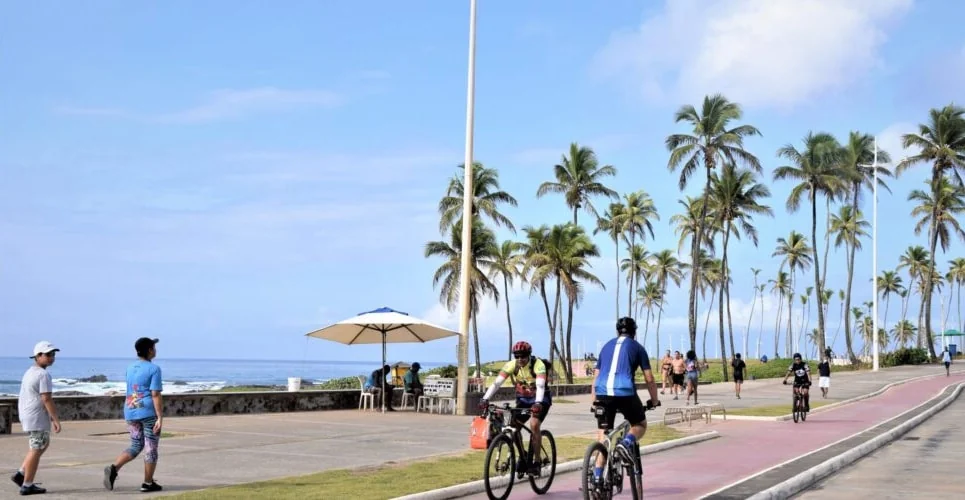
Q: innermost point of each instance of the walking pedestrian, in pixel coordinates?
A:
(679, 368)
(824, 374)
(665, 366)
(693, 374)
(38, 415)
(143, 411)
(739, 365)
(947, 359)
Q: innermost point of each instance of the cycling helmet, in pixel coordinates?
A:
(626, 326)
(797, 355)
(522, 349)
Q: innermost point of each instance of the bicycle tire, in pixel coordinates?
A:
(490, 482)
(547, 437)
(633, 483)
(588, 465)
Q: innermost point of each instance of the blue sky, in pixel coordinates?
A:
(230, 175)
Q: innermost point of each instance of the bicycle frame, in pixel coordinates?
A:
(514, 428)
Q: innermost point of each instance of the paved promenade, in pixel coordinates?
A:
(745, 448)
(932, 454)
(224, 450)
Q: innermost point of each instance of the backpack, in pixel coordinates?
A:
(550, 371)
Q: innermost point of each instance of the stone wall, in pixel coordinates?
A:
(227, 403)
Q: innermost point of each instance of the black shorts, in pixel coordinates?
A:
(739, 378)
(525, 418)
(629, 406)
(805, 384)
(678, 379)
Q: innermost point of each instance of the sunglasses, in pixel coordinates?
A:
(521, 356)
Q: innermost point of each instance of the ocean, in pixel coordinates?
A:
(182, 375)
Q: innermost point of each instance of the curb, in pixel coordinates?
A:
(471, 488)
(834, 405)
(811, 476)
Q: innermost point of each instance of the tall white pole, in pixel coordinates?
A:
(874, 260)
(462, 379)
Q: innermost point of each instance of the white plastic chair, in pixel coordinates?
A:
(407, 399)
(366, 399)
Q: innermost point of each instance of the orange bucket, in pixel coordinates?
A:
(479, 433)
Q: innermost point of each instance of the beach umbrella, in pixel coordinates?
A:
(383, 325)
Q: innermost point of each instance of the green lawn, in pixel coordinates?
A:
(394, 479)
(772, 410)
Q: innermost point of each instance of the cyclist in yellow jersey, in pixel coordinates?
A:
(528, 375)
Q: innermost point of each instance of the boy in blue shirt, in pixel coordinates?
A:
(143, 411)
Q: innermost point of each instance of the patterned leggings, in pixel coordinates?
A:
(143, 438)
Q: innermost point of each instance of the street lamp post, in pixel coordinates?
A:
(874, 260)
(462, 377)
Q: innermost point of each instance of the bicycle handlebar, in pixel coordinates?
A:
(647, 407)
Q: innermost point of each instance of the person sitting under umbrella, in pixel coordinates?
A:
(411, 380)
(376, 382)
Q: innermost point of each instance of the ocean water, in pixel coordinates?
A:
(182, 375)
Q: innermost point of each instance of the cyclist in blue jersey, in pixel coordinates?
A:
(614, 388)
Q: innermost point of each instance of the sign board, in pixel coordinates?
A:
(440, 387)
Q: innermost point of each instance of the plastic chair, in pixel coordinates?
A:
(366, 399)
(407, 399)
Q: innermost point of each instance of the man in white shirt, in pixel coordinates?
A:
(37, 413)
(947, 359)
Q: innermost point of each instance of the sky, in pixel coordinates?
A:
(230, 175)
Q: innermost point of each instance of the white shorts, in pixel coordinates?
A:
(824, 382)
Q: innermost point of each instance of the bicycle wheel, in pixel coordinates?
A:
(592, 489)
(794, 410)
(547, 464)
(500, 468)
(633, 483)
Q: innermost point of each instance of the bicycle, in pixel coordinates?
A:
(616, 459)
(506, 431)
(798, 409)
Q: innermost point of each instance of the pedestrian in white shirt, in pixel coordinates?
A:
(37, 415)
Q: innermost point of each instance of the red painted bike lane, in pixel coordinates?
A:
(746, 448)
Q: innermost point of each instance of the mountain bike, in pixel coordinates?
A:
(503, 469)
(798, 409)
(617, 459)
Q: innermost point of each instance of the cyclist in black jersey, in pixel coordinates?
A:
(802, 379)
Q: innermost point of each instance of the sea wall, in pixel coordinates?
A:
(228, 403)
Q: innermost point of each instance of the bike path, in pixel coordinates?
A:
(746, 448)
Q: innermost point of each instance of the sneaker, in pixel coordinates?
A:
(33, 489)
(110, 474)
(17, 478)
(153, 486)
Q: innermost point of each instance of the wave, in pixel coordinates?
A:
(109, 387)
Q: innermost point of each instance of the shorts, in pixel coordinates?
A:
(824, 382)
(678, 379)
(804, 385)
(948, 363)
(525, 418)
(692, 377)
(629, 406)
(738, 378)
(38, 440)
(143, 438)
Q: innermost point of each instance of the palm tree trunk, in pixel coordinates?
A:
(646, 327)
(777, 323)
(616, 241)
(720, 314)
(475, 341)
(910, 291)
(549, 319)
(817, 273)
(750, 319)
(790, 311)
(726, 267)
(961, 326)
(713, 292)
(569, 345)
(694, 255)
(630, 273)
(929, 282)
(509, 321)
(760, 331)
(557, 318)
(884, 321)
(827, 244)
(847, 292)
(657, 333)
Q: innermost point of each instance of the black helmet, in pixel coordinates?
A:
(797, 355)
(626, 326)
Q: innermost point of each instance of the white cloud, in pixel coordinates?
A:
(491, 319)
(889, 140)
(757, 52)
(547, 156)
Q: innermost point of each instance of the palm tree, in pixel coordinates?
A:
(781, 285)
(709, 275)
(941, 143)
(956, 275)
(796, 255)
(915, 259)
(819, 171)
(570, 249)
(712, 142)
(805, 316)
(579, 179)
(664, 267)
(613, 223)
(507, 262)
(939, 211)
(735, 199)
(639, 214)
(686, 223)
(750, 317)
(889, 283)
(849, 227)
(903, 332)
(649, 297)
(636, 265)
(447, 276)
(537, 269)
(487, 197)
(842, 319)
(760, 330)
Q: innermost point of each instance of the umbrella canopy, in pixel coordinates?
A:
(952, 333)
(382, 326)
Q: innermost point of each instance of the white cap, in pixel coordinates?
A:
(44, 347)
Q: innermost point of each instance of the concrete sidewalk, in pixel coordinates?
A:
(745, 448)
(223, 450)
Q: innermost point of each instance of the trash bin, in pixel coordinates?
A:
(294, 384)
(953, 349)
(472, 400)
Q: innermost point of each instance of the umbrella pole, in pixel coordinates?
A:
(384, 375)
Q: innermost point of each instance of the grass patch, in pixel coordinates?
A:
(392, 480)
(563, 401)
(772, 410)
